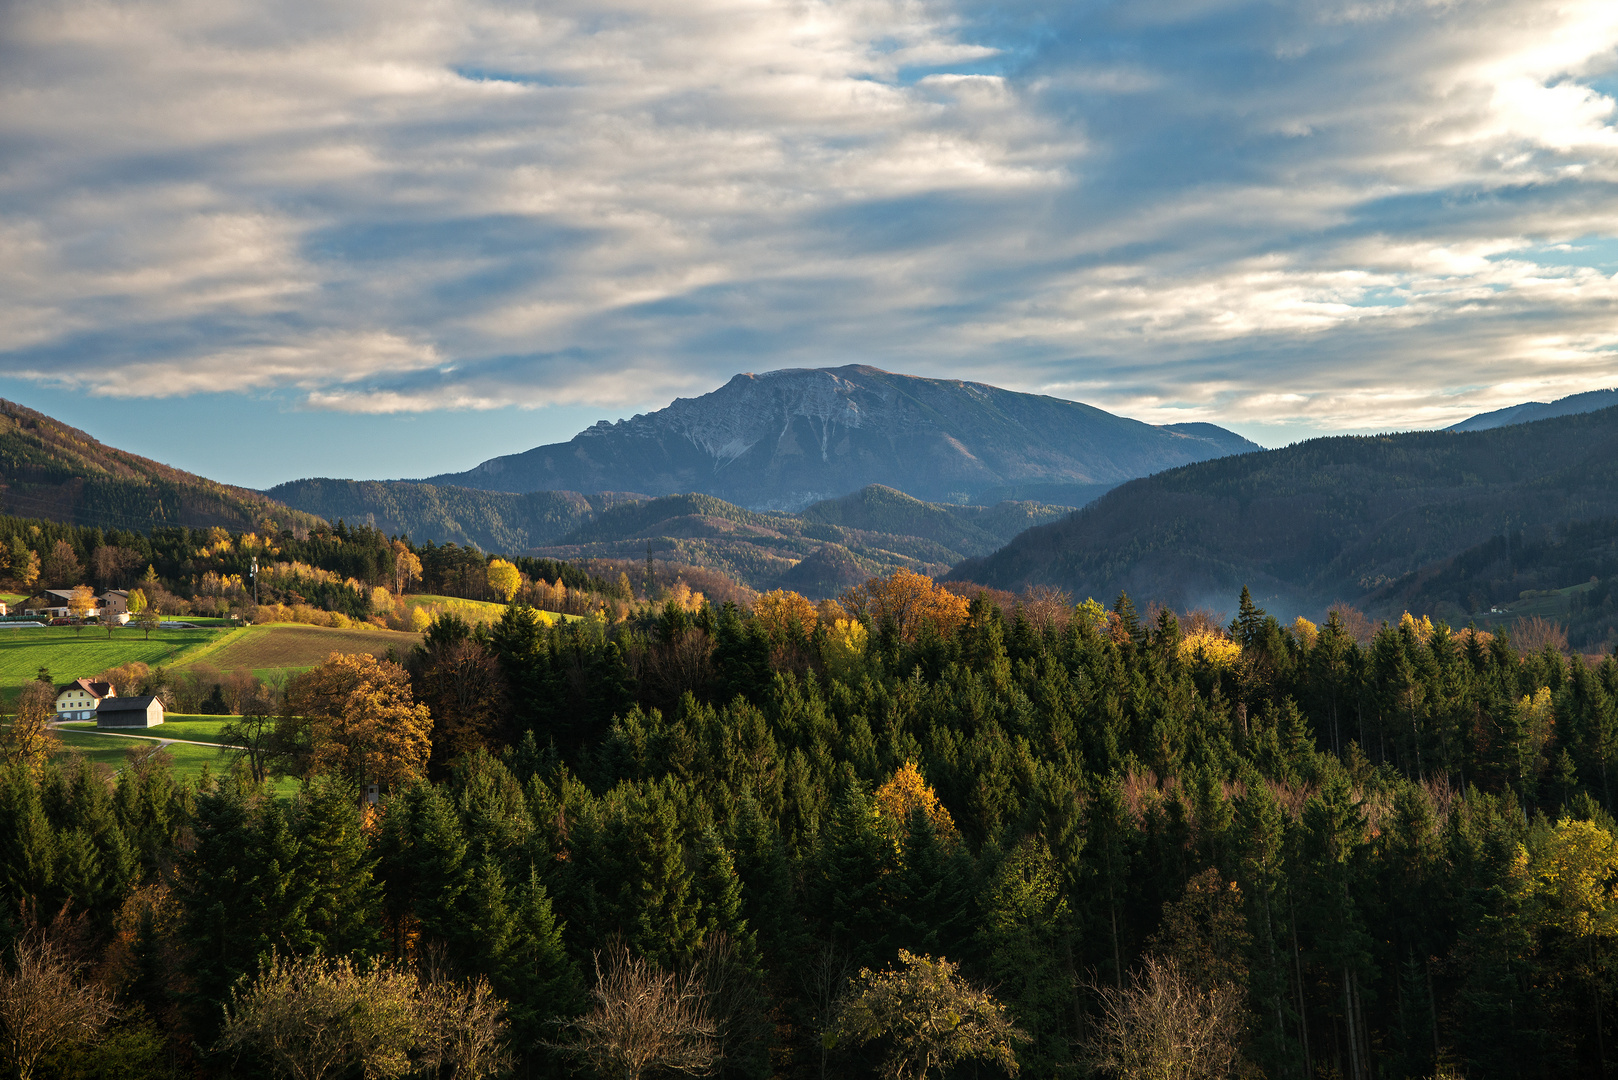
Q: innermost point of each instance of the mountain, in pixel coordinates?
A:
(49, 470)
(820, 552)
(783, 440)
(1530, 411)
(1327, 520)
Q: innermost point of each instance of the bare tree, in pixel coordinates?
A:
(43, 1007)
(825, 981)
(461, 1025)
(643, 1018)
(1161, 1025)
(317, 1016)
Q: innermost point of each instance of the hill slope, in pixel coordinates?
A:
(820, 552)
(50, 470)
(441, 513)
(1529, 411)
(785, 439)
(1322, 521)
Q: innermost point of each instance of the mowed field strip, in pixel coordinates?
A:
(283, 646)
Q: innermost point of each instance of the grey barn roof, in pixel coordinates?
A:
(125, 704)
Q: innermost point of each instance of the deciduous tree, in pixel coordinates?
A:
(1161, 1027)
(43, 1006)
(504, 580)
(29, 740)
(315, 1017)
(363, 722)
(928, 1018)
(909, 600)
(644, 1019)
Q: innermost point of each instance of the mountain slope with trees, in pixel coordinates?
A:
(1322, 521)
(785, 439)
(50, 470)
(820, 552)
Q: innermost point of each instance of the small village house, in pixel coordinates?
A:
(82, 698)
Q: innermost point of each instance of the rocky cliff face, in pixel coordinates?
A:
(785, 439)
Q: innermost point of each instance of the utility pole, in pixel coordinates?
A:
(255, 581)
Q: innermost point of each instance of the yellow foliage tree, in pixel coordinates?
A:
(504, 580)
(81, 601)
(364, 723)
(906, 792)
(406, 567)
(28, 740)
(776, 611)
(1305, 631)
(845, 647)
(910, 600)
(1422, 627)
(1209, 647)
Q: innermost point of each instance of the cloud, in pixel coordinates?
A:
(1325, 214)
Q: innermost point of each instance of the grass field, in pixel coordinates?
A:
(187, 762)
(70, 655)
(175, 726)
(293, 646)
(108, 750)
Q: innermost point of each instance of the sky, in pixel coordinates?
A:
(266, 239)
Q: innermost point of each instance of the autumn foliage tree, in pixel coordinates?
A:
(28, 740)
(504, 580)
(906, 793)
(928, 1018)
(909, 600)
(779, 610)
(362, 720)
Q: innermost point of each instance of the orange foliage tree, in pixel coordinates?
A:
(776, 611)
(363, 721)
(910, 599)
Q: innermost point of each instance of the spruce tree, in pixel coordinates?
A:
(338, 870)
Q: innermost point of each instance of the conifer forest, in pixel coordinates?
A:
(913, 833)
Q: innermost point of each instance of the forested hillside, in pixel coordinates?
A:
(820, 552)
(496, 521)
(1296, 854)
(1322, 521)
(1566, 574)
(50, 470)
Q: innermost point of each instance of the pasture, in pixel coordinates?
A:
(72, 652)
(189, 764)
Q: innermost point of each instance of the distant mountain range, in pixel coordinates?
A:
(786, 439)
(1328, 520)
(49, 470)
(819, 552)
(1530, 411)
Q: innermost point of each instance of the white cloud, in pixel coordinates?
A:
(1335, 215)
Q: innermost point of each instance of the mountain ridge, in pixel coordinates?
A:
(1530, 411)
(1328, 520)
(51, 470)
(785, 439)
